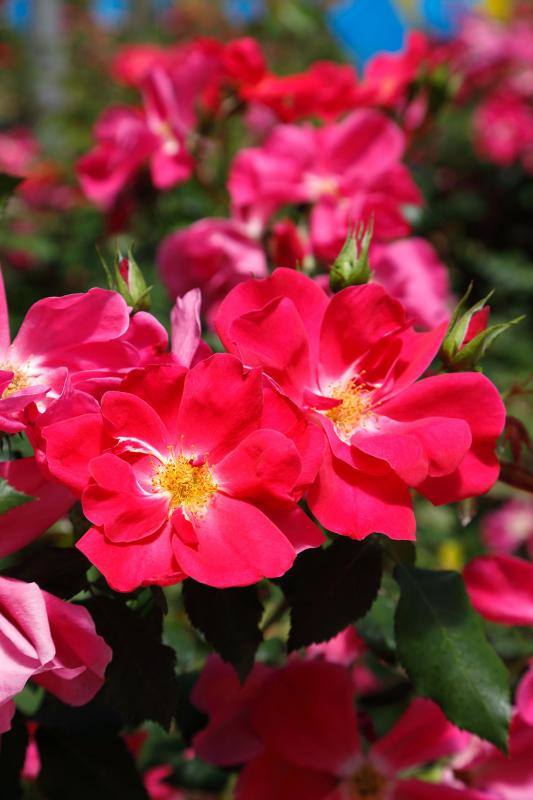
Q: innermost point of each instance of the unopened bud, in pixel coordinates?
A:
(469, 336)
(352, 267)
(127, 279)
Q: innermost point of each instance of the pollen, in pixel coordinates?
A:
(20, 379)
(190, 486)
(367, 784)
(353, 410)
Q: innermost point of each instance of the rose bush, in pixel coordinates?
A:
(265, 529)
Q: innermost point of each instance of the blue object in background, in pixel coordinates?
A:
(110, 12)
(366, 27)
(443, 16)
(17, 13)
(242, 11)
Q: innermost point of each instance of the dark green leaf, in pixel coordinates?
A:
(228, 619)
(12, 755)
(60, 571)
(85, 767)
(377, 627)
(442, 645)
(140, 680)
(329, 588)
(90, 719)
(10, 497)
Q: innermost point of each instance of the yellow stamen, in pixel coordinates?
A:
(20, 379)
(367, 784)
(354, 408)
(190, 486)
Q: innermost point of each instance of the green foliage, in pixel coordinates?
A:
(11, 497)
(327, 589)
(140, 681)
(60, 571)
(442, 645)
(228, 619)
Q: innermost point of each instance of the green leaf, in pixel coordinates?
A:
(442, 645)
(11, 497)
(140, 680)
(377, 627)
(327, 589)
(58, 570)
(228, 619)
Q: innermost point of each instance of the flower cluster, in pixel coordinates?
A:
(298, 734)
(226, 516)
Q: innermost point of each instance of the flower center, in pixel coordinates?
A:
(20, 379)
(352, 411)
(189, 485)
(367, 784)
(322, 185)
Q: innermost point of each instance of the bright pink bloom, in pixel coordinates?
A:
(243, 62)
(348, 649)
(349, 172)
(190, 473)
(501, 588)
(213, 255)
(81, 337)
(524, 695)
(133, 62)
(411, 271)
(350, 362)
(496, 776)
(324, 91)
(503, 129)
(388, 75)
(18, 151)
(509, 527)
(156, 786)
(296, 728)
(127, 138)
(123, 145)
(49, 641)
(345, 648)
(24, 523)
(32, 761)
(229, 738)
(45, 189)
(186, 329)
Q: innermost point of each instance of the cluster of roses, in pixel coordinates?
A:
(299, 733)
(41, 191)
(192, 464)
(497, 66)
(349, 169)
